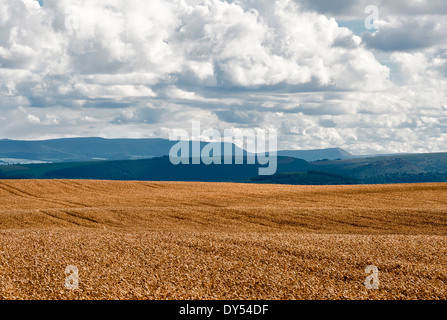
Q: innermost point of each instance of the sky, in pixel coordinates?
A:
(311, 69)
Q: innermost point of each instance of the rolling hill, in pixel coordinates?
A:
(146, 159)
(155, 169)
(390, 169)
(429, 167)
(313, 155)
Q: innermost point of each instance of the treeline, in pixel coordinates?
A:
(305, 178)
(324, 178)
(406, 178)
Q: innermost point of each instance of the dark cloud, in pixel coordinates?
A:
(40, 102)
(327, 123)
(345, 42)
(354, 9)
(240, 117)
(325, 109)
(330, 7)
(407, 35)
(422, 7)
(106, 104)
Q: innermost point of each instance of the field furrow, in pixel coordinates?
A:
(174, 240)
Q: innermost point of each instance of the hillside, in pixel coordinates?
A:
(384, 169)
(313, 155)
(155, 169)
(430, 167)
(86, 149)
(91, 149)
(146, 159)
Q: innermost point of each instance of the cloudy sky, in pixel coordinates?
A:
(308, 68)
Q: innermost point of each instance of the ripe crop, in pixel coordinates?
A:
(175, 240)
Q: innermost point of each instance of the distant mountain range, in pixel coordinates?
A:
(84, 149)
(96, 158)
(91, 149)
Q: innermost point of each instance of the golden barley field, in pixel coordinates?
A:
(175, 240)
